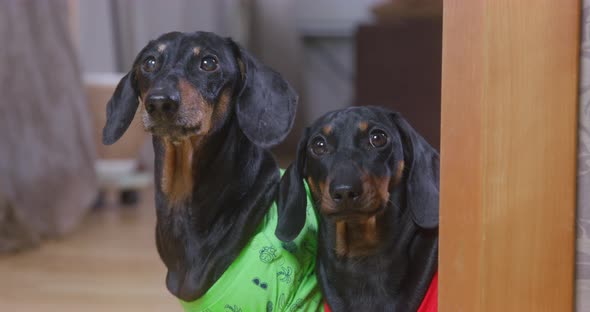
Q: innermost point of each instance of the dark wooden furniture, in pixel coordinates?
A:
(399, 66)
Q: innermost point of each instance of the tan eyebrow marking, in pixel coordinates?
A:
(327, 129)
(398, 175)
(161, 48)
(196, 50)
(363, 125)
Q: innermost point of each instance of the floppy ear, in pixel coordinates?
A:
(292, 197)
(120, 110)
(422, 186)
(266, 104)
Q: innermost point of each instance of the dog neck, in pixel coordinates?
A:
(393, 274)
(356, 238)
(177, 177)
(211, 194)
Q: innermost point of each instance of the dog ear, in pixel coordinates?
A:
(266, 104)
(292, 197)
(120, 110)
(422, 186)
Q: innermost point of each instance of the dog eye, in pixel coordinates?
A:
(319, 146)
(377, 138)
(150, 64)
(208, 63)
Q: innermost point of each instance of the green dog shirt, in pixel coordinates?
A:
(268, 275)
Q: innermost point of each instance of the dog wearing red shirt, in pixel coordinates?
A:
(374, 182)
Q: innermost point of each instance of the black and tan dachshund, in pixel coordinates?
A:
(213, 111)
(374, 182)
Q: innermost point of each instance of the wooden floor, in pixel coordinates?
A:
(109, 264)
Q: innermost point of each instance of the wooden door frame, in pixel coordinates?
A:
(508, 155)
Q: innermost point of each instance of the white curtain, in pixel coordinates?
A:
(47, 151)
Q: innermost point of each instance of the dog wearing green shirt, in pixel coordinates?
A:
(213, 111)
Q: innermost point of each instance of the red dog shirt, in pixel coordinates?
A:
(429, 303)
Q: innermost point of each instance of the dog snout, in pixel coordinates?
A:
(346, 192)
(163, 105)
(345, 186)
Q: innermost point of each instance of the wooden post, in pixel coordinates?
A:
(508, 155)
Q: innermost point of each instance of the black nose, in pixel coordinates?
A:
(165, 104)
(345, 193)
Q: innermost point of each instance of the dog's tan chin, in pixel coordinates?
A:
(357, 237)
(194, 139)
(176, 134)
(177, 139)
(375, 206)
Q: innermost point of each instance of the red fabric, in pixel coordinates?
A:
(429, 303)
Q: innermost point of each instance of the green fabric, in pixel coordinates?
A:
(268, 275)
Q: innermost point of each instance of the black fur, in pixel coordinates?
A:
(264, 89)
(120, 110)
(235, 177)
(396, 274)
(292, 199)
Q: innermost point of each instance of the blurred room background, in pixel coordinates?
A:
(76, 217)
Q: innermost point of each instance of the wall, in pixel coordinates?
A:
(583, 217)
(112, 32)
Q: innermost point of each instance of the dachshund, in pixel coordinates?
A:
(374, 182)
(214, 111)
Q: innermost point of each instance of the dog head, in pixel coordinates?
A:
(189, 84)
(353, 161)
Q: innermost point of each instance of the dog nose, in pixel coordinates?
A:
(343, 193)
(165, 104)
